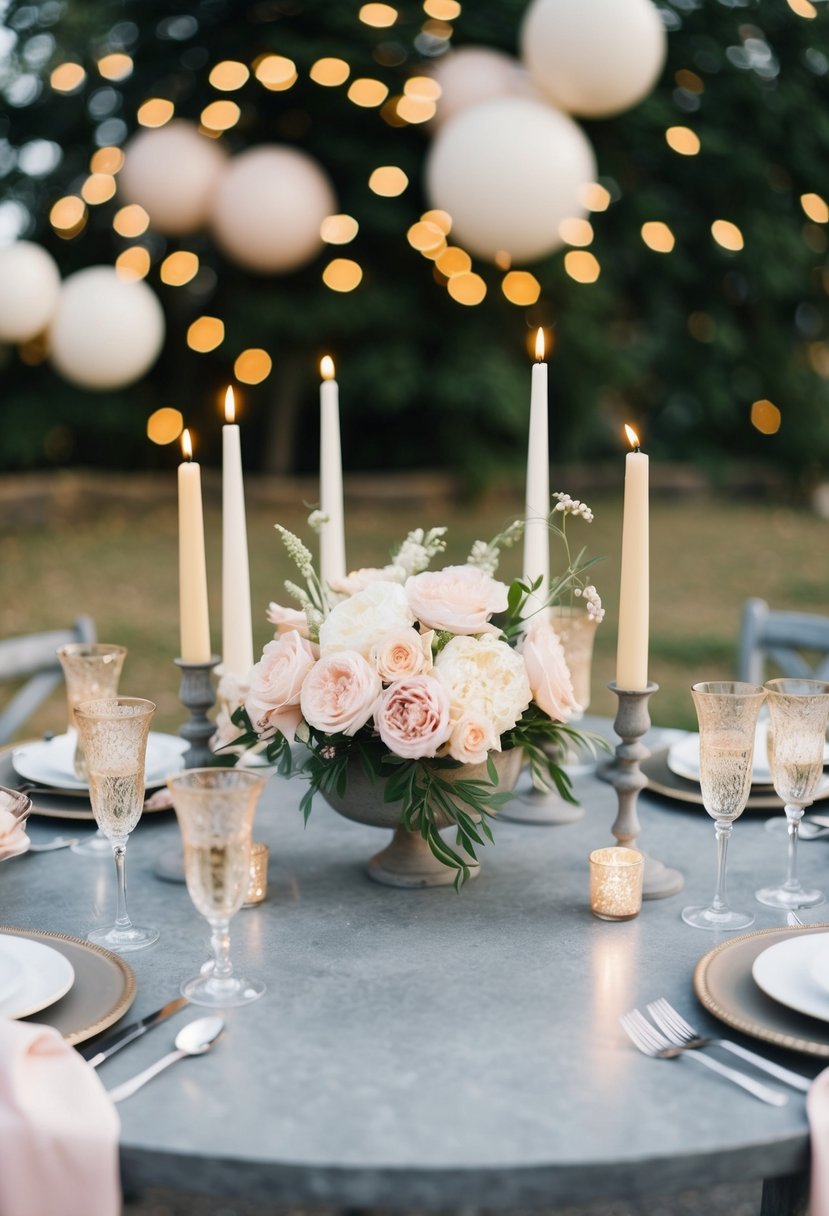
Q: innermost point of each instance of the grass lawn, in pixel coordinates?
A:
(119, 564)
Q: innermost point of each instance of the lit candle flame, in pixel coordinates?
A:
(230, 405)
(539, 345)
(633, 438)
(186, 445)
(327, 367)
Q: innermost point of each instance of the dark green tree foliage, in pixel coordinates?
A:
(681, 343)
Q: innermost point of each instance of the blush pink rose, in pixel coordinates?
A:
(272, 700)
(340, 693)
(412, 717)
(547, 670)
(472, 737)
(459, 599)
(13, 838)
(358, 580)
(402, 653)
(286, 619)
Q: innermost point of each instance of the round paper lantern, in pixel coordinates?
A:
(171, 171)
(509, 171)
(268, 208)
(107, 331)
(31, 286)
(593, 57)
(474, 74)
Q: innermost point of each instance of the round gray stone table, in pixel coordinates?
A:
(424, 1049)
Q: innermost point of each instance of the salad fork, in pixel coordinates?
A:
(682, 1034)
(651, 1042)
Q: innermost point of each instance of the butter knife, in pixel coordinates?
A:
(99, 1052)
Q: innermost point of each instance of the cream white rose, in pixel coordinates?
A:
(486, 678)
(340, 693)
(472, 737)
(402, 653)
(459, 599)
(359, 622)
(547, 669)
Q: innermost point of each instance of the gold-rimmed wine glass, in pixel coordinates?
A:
(114, 734)
(727, 712)
(798, 714)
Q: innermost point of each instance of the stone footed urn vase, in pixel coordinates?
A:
(408, 861)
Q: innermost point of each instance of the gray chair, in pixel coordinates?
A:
(33, 658)
(796, 643)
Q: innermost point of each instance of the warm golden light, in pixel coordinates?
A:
(116, 66)
(453, 260)
(68, 215)
(275, 72)
(230, 404)
(658, 236)
(228, 75)
(521, 288)
(437, 29)
(327, 367)
(221, 115)
(442, 219)
(155, 112)
(683, 140)
(98, 188)
(422, 88)
(582, 266)
(342, 274)
(765, 417)
(106, 160)
(179, 268)
(595, 197)
(727, 235)
(131, 220)
(205, 334)
(815, 207)
(467, 289)
(133, 263)
(186, 445)
(165, 425)
(633, 438)
(424, 236)
(330, 72)
(67, 77)
(381, 16)
(339, 229)
(367, 92)
(388, 181)
(803, 8)
(415, 109)
(442, 10)
(689, 81)
(539, 345)
(576, 232)
(252, 366)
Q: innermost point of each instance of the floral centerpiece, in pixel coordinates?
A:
(419, 675)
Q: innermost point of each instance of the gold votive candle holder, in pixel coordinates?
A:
(616, 877)
(258, 881)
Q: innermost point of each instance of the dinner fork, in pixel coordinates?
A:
(683, 1034)
(651, 1042)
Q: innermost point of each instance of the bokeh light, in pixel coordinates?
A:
(330, 71)
(683, 140)
(205, 334)
(131, 220)
(582, 266)
(367, 92)
(165, 425)
(576, 232)
(520, 287)
(220, 115)
(275, 72)
(453, 260)
(107, 160)
(339, 229)
(388, 181)
(67, 77)
(595, 197)
(381, 16)
(469, 289)
(765, 417)
(815, 207)
(68, 216)
(98, 188)
(727, 235)
(179, 268)
(117, 66)
(155, 112)
(252, 366)
(228, 75)
(658, 236)
(133, 263)
(342, 274)
(442, 10)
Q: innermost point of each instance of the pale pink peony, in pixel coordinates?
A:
(547, 670)
(412, 717)
(287, 619)
(272, 700)
(485, 677)
(402, 653)
(459, 599)
(358, 580)
(357, 623)
(472, 737)
(340, 693)
(13, 838)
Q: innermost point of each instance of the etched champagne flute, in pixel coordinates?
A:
(215, 808)
(798, 714)
(114, 736)
(727, 713)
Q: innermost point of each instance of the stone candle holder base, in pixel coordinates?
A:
(197, 694)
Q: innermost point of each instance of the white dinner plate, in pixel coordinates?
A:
(49, 761)
(785, 973)
(47, 975)
(683, 757)
(11, 973)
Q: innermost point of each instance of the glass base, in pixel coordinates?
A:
(122, 941)
(782, 897)
(707, 918)
(93, 846)
(205, 989)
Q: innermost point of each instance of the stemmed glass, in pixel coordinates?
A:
(798, 713)
(92, 671)
(215, 809)
(727, 713)
(114, 737)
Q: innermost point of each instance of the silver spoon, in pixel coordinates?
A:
(194, 1039)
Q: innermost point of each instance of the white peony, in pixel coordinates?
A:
(486, 679)
(359, 622)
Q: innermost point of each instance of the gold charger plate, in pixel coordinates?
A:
(724, 985)
(663, 780)
(103, 990)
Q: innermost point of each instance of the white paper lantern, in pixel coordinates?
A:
(107, 331)
(268, 208)
(509, 171)
(474, 74)
(593, 58)
(172, 172)
(29, 291)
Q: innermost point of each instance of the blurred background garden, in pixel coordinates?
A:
(685, 291)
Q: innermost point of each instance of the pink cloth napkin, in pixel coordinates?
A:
(13, 838)
(817, 1108)
(58, 1129)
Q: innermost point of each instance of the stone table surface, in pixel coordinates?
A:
(426, 1048)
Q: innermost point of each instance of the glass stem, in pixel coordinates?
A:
(794, 814)
(723, 828)
(220, 945)
(122, 920)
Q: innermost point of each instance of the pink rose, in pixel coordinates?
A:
(413, 717)
(405, 652)
(340, 693)
(13, 838)
(358, 580)
(460, 599)
(472, 737)
(272, 700)
(547, 669)
(287, 619)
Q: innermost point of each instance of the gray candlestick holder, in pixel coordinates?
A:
(198, 695)
(631, 723)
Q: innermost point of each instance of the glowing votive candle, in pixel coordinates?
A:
(616, 876)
